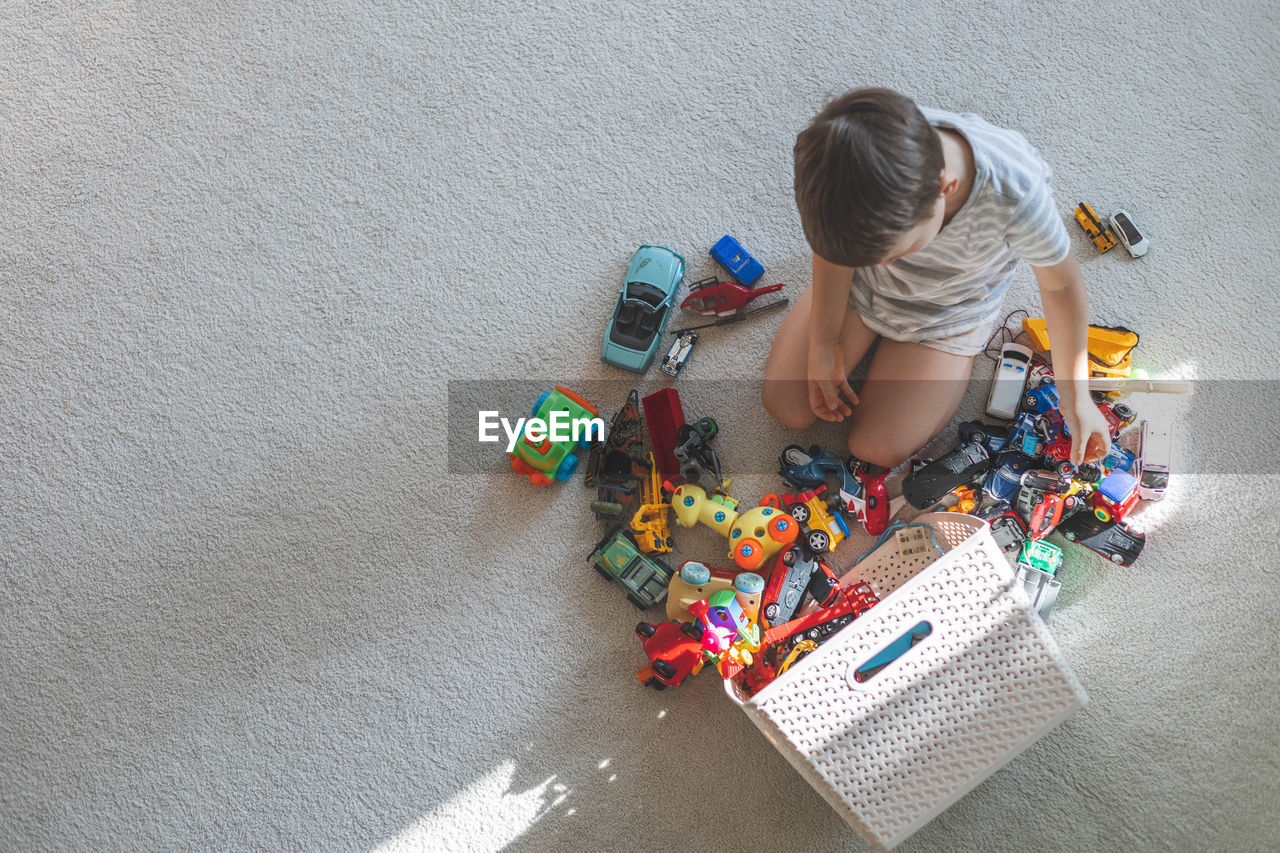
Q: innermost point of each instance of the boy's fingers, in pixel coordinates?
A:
(848, 391)
(818, 403)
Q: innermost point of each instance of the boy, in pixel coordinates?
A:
(916, 220)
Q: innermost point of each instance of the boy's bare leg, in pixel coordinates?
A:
(786, 373)
(911, 393)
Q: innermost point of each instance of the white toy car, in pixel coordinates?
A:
(1123, 227)
(678, 354)
(1154, 450)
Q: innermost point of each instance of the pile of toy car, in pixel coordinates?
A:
(1019, 478)
(778, 601)
(781, 599)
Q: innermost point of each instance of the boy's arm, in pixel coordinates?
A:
(827, 379)
(1066, 314)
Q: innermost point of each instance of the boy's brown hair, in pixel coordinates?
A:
(867, 170)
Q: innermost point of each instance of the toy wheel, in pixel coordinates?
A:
(539, 479)
(1066, 469)
(692, 629)
(644, 629)
(695, 574)
(789, 557)
(707, 428)
(1089, 473)
(541, 400)
(567, 467)
(637, 602)
(656, 684)
(1101, 514)
(1123, 412)
(671, 543)
(1029, 402)
(855, 465)
(819, 541)
(664, 669)
(1068, 535)
(603, 572)
(1116, 558)
(770, 612)
(800, 512)
(793, 454)
(978, 436)
(683, 432)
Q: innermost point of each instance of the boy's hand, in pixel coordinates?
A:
(827, 381)
(1090, 433)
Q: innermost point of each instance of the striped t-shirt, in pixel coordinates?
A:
(956, 283)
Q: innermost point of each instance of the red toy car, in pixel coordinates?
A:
(1118, 416)
(674, 650)
(1115, 496)
(722, 299)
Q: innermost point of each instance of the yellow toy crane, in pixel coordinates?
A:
(649, 524)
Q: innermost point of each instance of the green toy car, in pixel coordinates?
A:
(549, 460)
(1040, 555)
(644, 578)
(643, 307)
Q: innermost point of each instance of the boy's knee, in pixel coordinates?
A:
(783, 406)
(877, 450)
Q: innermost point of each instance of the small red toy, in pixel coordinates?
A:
(1118, 416)
(722, 299)
(664, 416)
(674, 651)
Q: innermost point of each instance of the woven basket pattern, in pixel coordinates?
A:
(893, 751)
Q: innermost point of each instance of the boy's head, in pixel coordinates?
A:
(868, 172)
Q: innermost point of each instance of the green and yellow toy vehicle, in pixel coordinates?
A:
(553, 457)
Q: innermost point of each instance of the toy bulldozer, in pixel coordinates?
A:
(1110, 349)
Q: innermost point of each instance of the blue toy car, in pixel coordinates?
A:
(731, 255)
(644, 305)
(993, 437)
(1118, 459)
(1023, 435)
(809, 470)
(1042, 399)
(1006, 477)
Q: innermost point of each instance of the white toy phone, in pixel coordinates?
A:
(1009, 382)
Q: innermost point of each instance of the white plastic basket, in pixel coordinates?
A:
(891, 752)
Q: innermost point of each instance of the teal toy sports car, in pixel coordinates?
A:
(644, 303)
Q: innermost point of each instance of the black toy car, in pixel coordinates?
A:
(964, 465)
(991, 436)
(1007, 527)
(1112, 539)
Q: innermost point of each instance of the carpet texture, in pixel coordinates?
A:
(246, 604)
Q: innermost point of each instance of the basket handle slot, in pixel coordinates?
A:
(890, 653)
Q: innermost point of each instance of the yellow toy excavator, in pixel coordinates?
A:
(649, 524)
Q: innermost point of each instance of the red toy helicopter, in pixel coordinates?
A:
(722, 299)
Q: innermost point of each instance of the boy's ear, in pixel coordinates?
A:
(947, 183)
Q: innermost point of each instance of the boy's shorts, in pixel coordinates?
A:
(968, 342)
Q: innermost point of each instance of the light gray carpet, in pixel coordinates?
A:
(245, 246)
